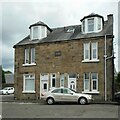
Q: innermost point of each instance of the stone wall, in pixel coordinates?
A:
(63, 57)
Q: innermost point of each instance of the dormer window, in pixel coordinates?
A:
(35, 33)
(83, 26)
(43, 32)
(99, 24)
(92, 23)
(38, 30)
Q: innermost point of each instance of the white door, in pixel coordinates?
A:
(43, 83)
(72, 81)
(44, 86)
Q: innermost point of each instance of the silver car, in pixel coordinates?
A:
(65, 95)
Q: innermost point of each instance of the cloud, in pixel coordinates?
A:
(17, 17)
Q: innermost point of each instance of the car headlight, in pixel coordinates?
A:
(89, 96)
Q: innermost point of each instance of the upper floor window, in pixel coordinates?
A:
(35, 32)
(93, 24)
(99, 24)
(83, 26)
(90, 24)
(86, 51)
(29, 56)
(94, 50)
(43, 32)
(38, 32)
(91, 51)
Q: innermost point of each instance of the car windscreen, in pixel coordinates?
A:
(73, 90)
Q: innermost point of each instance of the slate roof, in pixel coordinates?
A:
(40, 23)
(62, 34)
(92, 15)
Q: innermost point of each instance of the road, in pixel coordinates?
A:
(36, 110)
(19, 109)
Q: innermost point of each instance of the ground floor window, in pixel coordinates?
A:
(28, 83)
(62, 80)
(94, 84)
(90, 81)
(53, 80)
(86, 82)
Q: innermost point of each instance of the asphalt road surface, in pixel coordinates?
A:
(36, 110)
(19, 109)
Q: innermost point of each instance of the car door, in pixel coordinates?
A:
(11, 90)
(57, 94)
(68, 95)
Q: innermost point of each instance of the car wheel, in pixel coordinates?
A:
(82, 101)
(50, 101)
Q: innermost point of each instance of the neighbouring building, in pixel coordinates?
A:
(9, 79)
(0, 77)
(77, 56)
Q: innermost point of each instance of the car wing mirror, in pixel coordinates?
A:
(71, 93)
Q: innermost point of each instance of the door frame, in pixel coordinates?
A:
(75, 80)
(47, 80)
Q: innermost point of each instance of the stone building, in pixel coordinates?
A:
(72, 56)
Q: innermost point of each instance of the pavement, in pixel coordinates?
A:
(10, 98)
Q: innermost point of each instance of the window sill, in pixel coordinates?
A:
(91, 92)
(85, 61)
(32, 64)
(28, 91)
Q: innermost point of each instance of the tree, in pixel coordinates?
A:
(7, 72)
(3, 76)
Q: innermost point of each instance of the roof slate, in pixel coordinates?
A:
(40, 23)
(92, 15)
(62, 34)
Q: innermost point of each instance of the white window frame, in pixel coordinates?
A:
(72, 77)
(87, 90)
(97, 23)
(35, 35)
(90, 52)
(62, 79)
(91, 80)
(83, 26)
(92, 49)
(32, 55)
(30, 61)
(43, 32)
(52, 79)
(27, 56)
(91, 24)
(87, 46)
(94, 80)
(24, 83)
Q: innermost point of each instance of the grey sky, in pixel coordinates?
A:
(17, 17)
